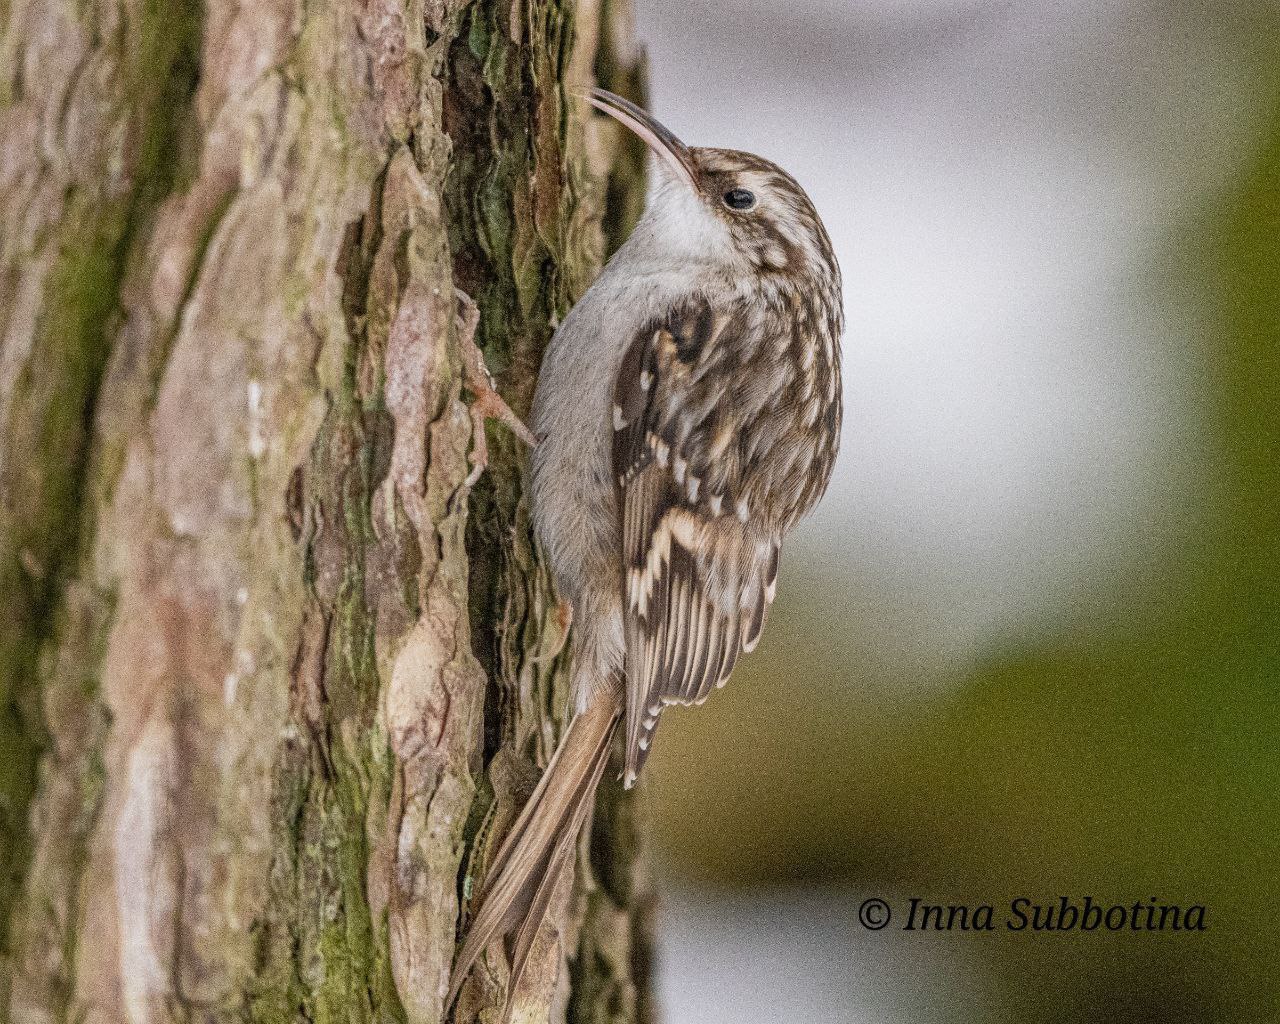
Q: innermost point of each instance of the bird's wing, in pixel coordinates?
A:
(699, 565)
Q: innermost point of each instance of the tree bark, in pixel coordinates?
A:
(278, 663)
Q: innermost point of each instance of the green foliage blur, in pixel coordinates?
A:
(1126, 754)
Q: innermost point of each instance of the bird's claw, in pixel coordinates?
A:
(563, 618)
(487, 403)
(491, 405)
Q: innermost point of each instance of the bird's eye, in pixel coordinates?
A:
(739, 199)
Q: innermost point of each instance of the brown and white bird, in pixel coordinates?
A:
(687, 414)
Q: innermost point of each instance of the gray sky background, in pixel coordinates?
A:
(1002, 182)
(1006, 185)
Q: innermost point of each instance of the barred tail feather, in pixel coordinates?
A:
(539, 849)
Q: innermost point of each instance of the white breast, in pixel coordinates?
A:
(574, 505)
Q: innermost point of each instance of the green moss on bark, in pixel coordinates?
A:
(341, 763)
(44, 521)
(449, 116)
(520, 243)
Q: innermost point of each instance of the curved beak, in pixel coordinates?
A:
(657, 137)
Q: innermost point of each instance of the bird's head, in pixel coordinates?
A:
(727, 207)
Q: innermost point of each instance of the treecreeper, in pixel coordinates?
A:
(687, 416)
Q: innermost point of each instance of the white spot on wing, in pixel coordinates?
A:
(812, 408)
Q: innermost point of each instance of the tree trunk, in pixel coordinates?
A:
(278, 664)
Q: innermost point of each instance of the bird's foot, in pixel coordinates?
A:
(563, 618)
(487, 404)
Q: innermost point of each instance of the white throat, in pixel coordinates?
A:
(678, 228)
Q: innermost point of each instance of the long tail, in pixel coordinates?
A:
(540, 847)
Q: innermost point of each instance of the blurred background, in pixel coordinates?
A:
(1028, 644)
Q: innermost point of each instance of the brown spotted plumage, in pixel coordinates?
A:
(687, 415)
(724, 435)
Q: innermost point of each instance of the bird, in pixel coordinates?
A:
(687, 415)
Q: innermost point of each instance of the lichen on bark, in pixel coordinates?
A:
(286, 674)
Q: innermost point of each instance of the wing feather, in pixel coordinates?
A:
(697, 577)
